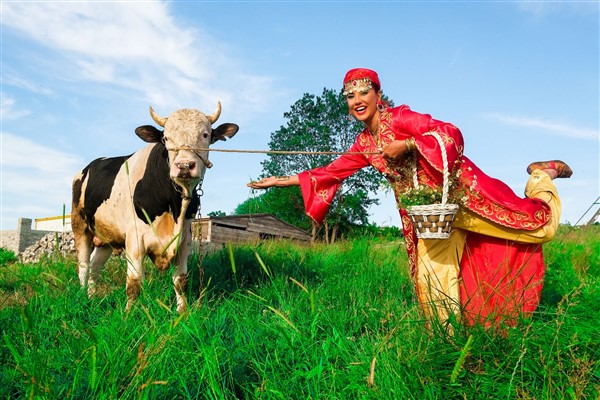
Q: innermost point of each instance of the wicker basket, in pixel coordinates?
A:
(434, 221)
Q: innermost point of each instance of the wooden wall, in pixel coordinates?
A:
(245, 228)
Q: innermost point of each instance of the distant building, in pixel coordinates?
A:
(245, 228)
(61, 223)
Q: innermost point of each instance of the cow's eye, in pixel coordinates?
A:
(205, 135)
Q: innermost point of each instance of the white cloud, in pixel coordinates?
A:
(13, 80)
(35, 179)
(8, 109)
(32, 158)
(115, 30)
(553, 127)
(541, 8)
(136, 46)
(33, 171)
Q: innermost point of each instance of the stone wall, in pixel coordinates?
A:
(50, 244)
(21, 238)
(9, 240)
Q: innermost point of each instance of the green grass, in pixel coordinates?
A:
(282, 321)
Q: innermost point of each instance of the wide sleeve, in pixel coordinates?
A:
(409, 123)
(319, 185)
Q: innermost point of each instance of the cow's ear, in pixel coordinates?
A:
(223, 132)
(149, 134)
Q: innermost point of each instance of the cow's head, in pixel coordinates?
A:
(187, 134)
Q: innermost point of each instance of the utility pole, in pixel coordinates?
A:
(596, 215)
(591, 221)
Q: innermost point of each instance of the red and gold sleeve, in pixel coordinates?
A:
(408, 123)
(319, 185)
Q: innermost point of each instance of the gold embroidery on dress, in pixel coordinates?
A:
(319, 193)
(411, 246)
(500, 214)
(322, 194)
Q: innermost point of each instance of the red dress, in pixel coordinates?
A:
(499, 277)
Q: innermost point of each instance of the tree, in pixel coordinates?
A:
(284, 203)
(319, 124)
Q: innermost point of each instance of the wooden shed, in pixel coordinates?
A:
(245, 228)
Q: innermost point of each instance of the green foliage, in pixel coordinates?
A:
(421, 196)
(7, 256)
(293, 322)
(217, 214)
(425, 195)
(284, 203)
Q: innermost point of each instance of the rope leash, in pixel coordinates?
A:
(210, 164)
(278, 151)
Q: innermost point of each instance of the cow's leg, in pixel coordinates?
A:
(180, 274)
(180, 281)
(134, 253)
(135, 277)
(83, 248)
(99, 257)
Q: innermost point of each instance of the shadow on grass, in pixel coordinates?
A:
(234, 268)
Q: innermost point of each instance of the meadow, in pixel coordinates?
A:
(279, 320)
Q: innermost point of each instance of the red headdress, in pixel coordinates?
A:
(361, 79)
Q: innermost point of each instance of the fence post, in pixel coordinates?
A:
(23, 234)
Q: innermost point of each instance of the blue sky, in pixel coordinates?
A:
(520, 79)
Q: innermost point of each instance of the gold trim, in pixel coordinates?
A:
(53, 218)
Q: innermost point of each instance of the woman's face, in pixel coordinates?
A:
(363, 104)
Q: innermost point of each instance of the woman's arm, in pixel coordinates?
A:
(408, 122)
(319, 185)
(396, 150)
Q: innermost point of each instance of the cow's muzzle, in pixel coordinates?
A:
(202, 158)
(188, 168)
(185, 169)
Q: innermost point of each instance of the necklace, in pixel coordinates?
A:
(376, 136)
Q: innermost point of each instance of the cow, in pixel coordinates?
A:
(144, 203)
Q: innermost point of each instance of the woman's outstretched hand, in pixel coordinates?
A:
(264, 183)
(274, 181)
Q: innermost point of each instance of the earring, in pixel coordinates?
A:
(380, 107)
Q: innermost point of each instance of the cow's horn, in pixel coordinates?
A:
(213, 118)
(157, 118)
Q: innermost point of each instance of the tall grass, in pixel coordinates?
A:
(283, 321)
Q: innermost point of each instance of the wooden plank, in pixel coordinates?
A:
(231, 223)
(242, 228)
(281, 231)
(235, 236)
(201, 230)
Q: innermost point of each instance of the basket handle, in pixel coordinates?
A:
(446, 172)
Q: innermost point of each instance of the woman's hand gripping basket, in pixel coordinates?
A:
(434, 221)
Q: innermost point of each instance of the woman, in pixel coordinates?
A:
(491, 267)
